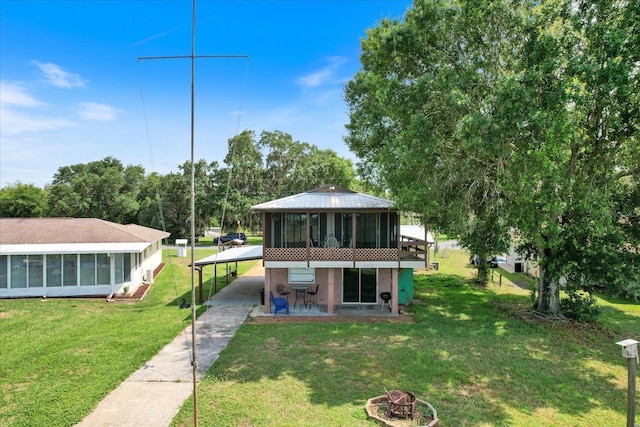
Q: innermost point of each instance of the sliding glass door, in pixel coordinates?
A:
(359, 285)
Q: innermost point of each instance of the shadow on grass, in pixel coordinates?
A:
(475, 363)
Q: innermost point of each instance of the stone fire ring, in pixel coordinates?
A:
(374, 402)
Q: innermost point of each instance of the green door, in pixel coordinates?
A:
(405, 286)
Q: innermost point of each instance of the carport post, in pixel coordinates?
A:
(200, 281)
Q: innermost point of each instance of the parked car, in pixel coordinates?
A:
(492, 260)
(229, 237)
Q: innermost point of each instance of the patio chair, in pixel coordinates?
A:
(313, 295)
(279, 304)
(282, 292)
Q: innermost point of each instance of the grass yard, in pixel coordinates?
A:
(471, 354)
(60, 357)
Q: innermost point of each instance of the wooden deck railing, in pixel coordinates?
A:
(330, 254)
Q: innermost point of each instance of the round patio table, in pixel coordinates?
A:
(300, 290)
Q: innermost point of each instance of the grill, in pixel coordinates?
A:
(402, 404)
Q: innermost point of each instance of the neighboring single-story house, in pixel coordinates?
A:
(346, 244)
(70, 257)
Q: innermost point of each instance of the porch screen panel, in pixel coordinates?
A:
(350, 285)
(393, 229)
(4, 272)
(54, 271)
(323, 228)
(346, 227)
(384, 230)
(36, 271)
(87, 269)
(70, 270)
(295, 230)
(314, 229)
(367, 230)
(267, 232)
(18, 271)
(368, 285)
(276, 226)
(103, 269)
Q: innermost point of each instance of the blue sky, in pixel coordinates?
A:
(73, 90)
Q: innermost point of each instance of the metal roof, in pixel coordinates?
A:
(415, 232)
(244, 253)
(329, 198)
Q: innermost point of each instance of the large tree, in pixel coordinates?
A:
(102, 189)
(421, 115)
(512, 114)
(293, 167)
(20, 200)
(575, 101)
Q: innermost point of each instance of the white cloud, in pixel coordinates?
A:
(16, 94)
(15, 122)
(56, 76)
(153, 37)
(315, 79)
(324, 75)
(98, 112)
(14, 101)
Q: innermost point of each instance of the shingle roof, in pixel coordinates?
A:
(23, 231)
(329, 198)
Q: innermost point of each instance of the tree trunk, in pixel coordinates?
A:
(548, 301)
(483, 270)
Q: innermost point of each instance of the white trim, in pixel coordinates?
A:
(73, 248)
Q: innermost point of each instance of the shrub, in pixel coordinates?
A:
(580, 306)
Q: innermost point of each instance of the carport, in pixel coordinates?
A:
(232, 255)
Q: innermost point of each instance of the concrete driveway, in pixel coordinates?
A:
(243, 290)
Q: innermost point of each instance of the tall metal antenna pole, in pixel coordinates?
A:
(193, 218)
(193, 57)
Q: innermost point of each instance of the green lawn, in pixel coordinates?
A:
(470, 354)
(59, 358)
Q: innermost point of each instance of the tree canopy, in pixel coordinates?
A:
(254, 170)
(20, 200)
(490, 117)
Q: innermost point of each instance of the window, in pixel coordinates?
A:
(18, 271)
(70, 270)
(126, 267)
(302, 275)
(54, 270)
(36, 271)
(4, 272)
(103, 269)
(87, 269)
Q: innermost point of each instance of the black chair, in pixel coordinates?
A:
(282, 292)
(313, 296)
(386, 299)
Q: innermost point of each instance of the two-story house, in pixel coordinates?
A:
(345, 243)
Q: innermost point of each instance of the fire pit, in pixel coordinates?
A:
(402, 404)
(398, 408)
